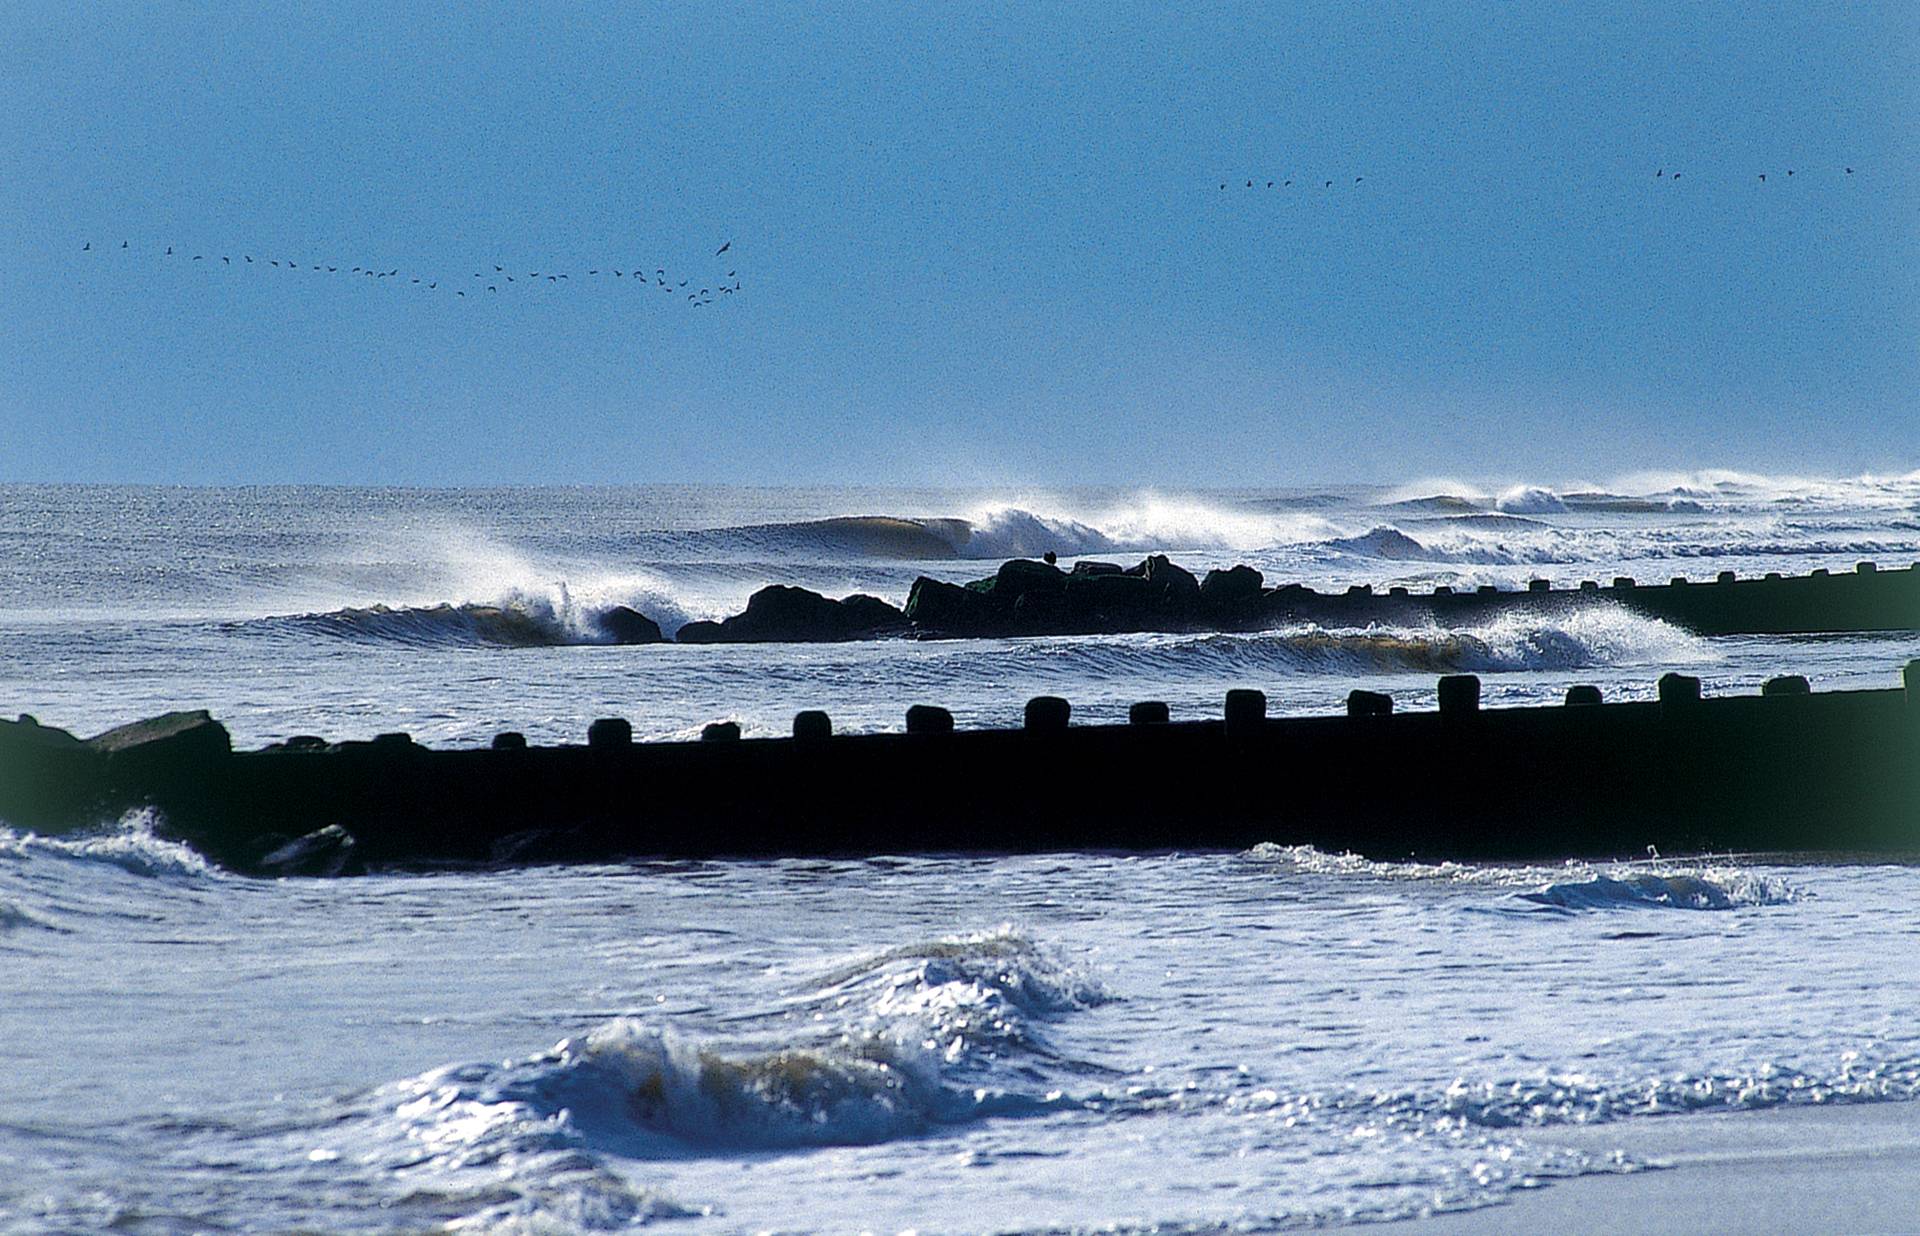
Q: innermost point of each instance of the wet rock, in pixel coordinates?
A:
(1112, 601)
(329, 851)
(623, 625)
(28, 733)
(1176, 591)
(174, 737)
(1231, 597)
(698, 632)
(936, 607)
(780, 613)
(872, 616)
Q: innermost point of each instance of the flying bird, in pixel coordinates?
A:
(170, 247)
(123, 244)
(1763, 178)
(1849, 171)
(723, 248)
(84, 248)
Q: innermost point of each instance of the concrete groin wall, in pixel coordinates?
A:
(1788, 769)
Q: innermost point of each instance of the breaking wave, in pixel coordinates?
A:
(1529, 500)
(1147, 524)
(519, 619)
(1673, 884)
(1580, 639)
(131, 845)
(909, 1040)
(1713, 888)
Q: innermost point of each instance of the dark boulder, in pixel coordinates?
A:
(698, 632)
(1112, 602)
(1088, 566)
(48, 778)
(1041, 612)
(871, 615)
(171, 738)
(780, 613)
(624, 625)
(1019, 576)
(27, 733)
(936, 607)
(1292, 603)
(1176, 591)
(1231, 597)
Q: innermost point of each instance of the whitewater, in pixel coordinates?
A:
(1251, 1041)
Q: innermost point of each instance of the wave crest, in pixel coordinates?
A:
(519, 619)
(1711, 888)
(132, 845)
(1577, 885)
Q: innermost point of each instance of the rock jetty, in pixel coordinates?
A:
(1030, 597)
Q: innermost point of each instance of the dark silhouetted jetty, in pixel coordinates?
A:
(1788, 769)
(1030, 597)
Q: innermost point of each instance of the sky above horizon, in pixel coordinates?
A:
(975, 245)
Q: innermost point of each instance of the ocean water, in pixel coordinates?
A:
(1264, 1040)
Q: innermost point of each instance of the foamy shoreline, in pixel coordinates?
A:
(1841, 1168)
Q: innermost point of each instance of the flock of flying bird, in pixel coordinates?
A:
(1258, 182)
(499, 279)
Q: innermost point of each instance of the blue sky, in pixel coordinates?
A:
(976, 245)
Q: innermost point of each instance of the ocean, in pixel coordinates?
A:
(1246, 1041)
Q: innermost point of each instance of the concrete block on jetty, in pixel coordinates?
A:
(1833, 771)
